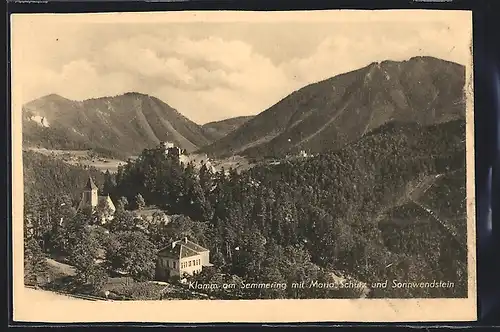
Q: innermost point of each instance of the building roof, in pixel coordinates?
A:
(181, 249)
(90, 184)
(178, 251)
(193, 246)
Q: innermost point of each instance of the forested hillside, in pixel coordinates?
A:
(52, 191)
(329, 114)
(389, 206)
(48, 177)
(219, 129)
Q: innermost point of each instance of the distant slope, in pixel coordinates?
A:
(328, 114)
(219, 129)
(122, 125)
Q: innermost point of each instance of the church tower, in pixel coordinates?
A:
(89, 195)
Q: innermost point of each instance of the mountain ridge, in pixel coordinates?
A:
(318, 117)
(332, 112)
(219, 129)
(98, 123)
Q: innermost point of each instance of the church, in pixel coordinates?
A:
(91, 198)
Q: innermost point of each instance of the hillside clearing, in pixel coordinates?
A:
(82, 158)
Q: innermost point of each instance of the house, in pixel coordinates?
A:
(182, 257)
(90, 198)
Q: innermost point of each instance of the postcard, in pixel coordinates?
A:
(225, 166)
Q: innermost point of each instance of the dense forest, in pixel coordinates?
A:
(50, 177)
(390, 206)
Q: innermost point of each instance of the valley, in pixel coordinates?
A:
(82, 158)
(87, 159)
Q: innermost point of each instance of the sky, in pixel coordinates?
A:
(213, 66)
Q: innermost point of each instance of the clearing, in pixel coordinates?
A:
(87, 158)
(236, 162)
(83, 158)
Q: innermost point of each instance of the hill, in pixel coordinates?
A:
(331, 113)
(119, 126)
(219, 129)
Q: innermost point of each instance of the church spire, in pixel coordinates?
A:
(90, 184)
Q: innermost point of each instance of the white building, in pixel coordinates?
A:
(182, 257)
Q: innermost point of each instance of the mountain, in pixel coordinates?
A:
(122, 125)
(331, 113)
(219, 129)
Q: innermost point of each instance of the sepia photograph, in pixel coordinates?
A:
(315, 165)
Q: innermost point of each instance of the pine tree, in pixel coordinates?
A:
(109, 186)
(206, 179)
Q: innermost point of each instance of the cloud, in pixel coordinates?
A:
(205, 79)
(193, 64)
(200, 105)
(77, 80)
(126, 56)
(209, 77)
(343, 53)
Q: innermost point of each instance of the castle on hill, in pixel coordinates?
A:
(91, 198)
